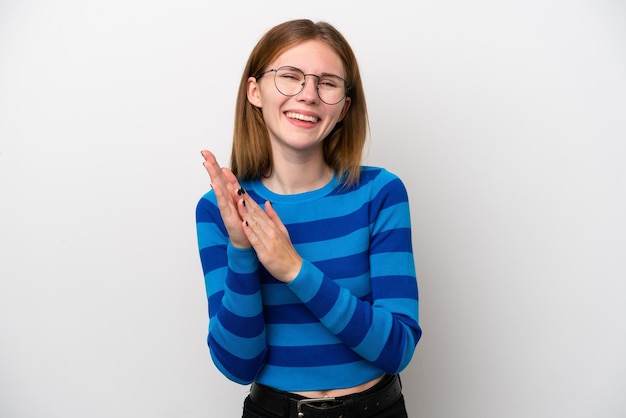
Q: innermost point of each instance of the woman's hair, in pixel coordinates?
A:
(251, 156)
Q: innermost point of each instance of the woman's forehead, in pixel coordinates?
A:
(313, 56)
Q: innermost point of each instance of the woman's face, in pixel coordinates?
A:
(299, 123)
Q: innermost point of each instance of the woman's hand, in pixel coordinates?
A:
(229, 198)
(249, 226)
(270, 239)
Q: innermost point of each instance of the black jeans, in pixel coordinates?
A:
(397, 409)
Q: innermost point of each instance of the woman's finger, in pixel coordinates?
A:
(225, 186)
(271, 213)
(213, 168)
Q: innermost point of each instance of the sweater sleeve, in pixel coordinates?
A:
(385, 330)
(236, 336)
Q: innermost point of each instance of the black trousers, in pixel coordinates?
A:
(270, 403)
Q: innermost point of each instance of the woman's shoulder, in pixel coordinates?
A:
(381, 183)
(379, 175)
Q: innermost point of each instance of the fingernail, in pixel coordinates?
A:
(247, 223)
(244, 202)
(241, 191)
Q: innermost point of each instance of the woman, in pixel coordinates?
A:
(307, 255)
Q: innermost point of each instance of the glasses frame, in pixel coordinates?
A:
(317, 86)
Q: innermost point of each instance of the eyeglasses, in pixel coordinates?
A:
(289, 81)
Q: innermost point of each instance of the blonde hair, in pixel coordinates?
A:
(251, 156)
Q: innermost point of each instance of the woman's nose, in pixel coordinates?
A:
(309, 89)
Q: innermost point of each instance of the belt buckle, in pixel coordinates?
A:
(310, 400)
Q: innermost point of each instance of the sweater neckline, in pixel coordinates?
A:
(296, 198)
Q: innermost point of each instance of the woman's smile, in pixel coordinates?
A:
(300, 116)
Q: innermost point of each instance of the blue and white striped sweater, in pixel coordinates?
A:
(350, 315)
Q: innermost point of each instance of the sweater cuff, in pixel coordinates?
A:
(308, 282)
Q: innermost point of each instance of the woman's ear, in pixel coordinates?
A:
(253, 93)
(344, 111)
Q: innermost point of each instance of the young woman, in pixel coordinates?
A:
(307, 254)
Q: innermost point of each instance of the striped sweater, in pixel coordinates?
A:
(350, 315)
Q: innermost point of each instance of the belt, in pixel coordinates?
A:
(363, 404)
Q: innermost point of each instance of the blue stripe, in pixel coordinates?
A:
(240, 347)
(392, 241)
(209, 235)
(355, 331)
(356, 241)
(246, 306)
(393, 264)
(215, 301)
(390, 194)
(311, 355)
(277, 293)
(238, 370)
(395, 216)
(397, 337)
(289, 314)
(395, 287)
(241, 326)
(208, 212)
(341, 313)
(211, 258)
(326, 228)
(325, 299)
(350, 266)
(287, 335)
(243, 284)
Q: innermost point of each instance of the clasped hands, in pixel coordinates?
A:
(248, 225)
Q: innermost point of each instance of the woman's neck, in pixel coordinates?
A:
(298, 178)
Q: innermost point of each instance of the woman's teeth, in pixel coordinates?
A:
(299, 116)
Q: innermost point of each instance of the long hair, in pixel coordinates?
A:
(251, 156)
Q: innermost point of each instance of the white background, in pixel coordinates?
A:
(505, 119)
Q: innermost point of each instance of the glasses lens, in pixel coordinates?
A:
(290, 81)
(331, 89)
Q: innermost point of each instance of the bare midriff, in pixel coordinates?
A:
(334, 393)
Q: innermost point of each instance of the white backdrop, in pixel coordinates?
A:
(506, 119)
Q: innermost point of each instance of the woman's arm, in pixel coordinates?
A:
(385, 329)
(236, 335)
